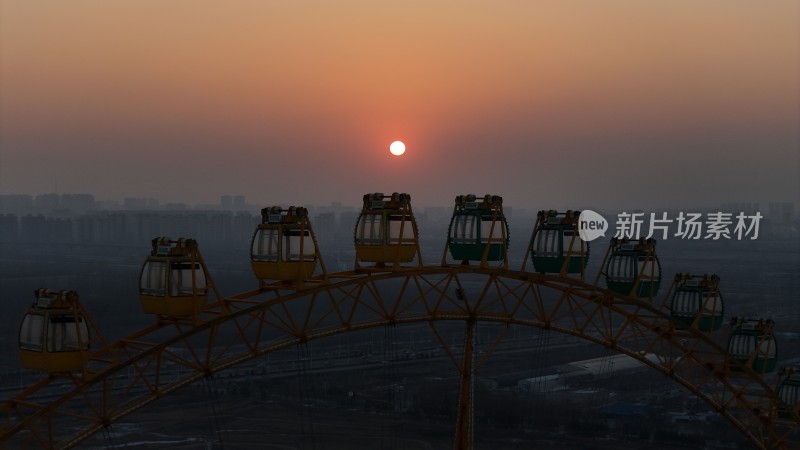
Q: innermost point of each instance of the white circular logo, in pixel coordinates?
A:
(591, 225)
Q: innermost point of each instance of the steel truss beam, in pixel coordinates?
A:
(153, 362)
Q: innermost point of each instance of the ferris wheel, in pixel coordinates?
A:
(682, 334)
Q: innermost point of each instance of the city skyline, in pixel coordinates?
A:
(134, 133)
(77, 203)
(609, 104)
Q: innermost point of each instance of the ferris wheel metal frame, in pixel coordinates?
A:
(134, 371)
(218, 333)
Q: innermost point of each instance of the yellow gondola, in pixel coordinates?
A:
(386, 231)
(284, 246)
(174, 280)
(54, 335)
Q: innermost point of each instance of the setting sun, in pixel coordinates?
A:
(397, 148)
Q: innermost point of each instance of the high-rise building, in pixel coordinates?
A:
(781, 212)
(47, 201)
(226, 202)
(77, 203)
(15, 204)
(132, 203)
(238, 202)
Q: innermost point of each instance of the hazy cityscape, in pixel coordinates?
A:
(73, 242)
(141, 141)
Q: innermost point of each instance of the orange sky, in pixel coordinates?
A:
(551, 103)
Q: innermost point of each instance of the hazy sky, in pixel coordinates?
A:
(550, 103)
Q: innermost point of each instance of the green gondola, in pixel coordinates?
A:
(789, 393)
(753, 344)
(478, 230)
(633, 269)
(556, 244)
(696, 301)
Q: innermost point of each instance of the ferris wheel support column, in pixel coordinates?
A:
(464, 421)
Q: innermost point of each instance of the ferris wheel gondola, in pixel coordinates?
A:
(386, 231)
(284, 246)
(54, 334)
(556, 246)
(789, 393)
(633, 268)
(697, 302)
(753, 344)
(174, 281)
(478, 230)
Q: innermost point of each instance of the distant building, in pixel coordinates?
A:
(336, 208)
(781, 212)
(107, 205)
(137, 204)
(47, 201)
(176, 206)
(15, 204)
(734, 208)
(438, 213)
(77, 203)
(34, 228)
(325, 227)
(9, 227)
(226, 202)
(232, 203)
(238, 202)
(347, 221)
